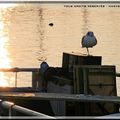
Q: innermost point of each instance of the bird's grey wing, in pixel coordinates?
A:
(82, 40)
(96, 40)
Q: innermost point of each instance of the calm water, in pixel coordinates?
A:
(26, 38)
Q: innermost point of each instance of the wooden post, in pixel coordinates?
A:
(68, 62)
(71, 59)
(96, 80)
(85, 81)
(36, 80)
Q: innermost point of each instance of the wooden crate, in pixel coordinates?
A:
(96, 80)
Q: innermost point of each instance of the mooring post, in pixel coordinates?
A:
(15, 79)
(69, 61)
(35, 78)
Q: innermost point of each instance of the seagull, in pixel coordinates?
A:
(89, 40)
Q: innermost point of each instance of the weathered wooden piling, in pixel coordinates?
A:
(94, 79)
(71, 59)
(36, 81)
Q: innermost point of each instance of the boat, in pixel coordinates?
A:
(82, 87)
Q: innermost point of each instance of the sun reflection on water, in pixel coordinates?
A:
(5, 61)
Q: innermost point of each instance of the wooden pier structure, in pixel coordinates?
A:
(81, 87)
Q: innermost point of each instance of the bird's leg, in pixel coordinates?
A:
(88, 51)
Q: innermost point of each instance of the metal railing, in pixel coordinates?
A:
(10, 109)
(33, 70)
(16, 70)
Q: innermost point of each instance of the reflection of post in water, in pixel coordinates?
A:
(41, 31)
(85, 16)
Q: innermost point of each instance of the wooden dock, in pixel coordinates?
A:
(91, 88)
(59, 96)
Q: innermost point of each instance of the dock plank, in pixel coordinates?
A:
(59, 96)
